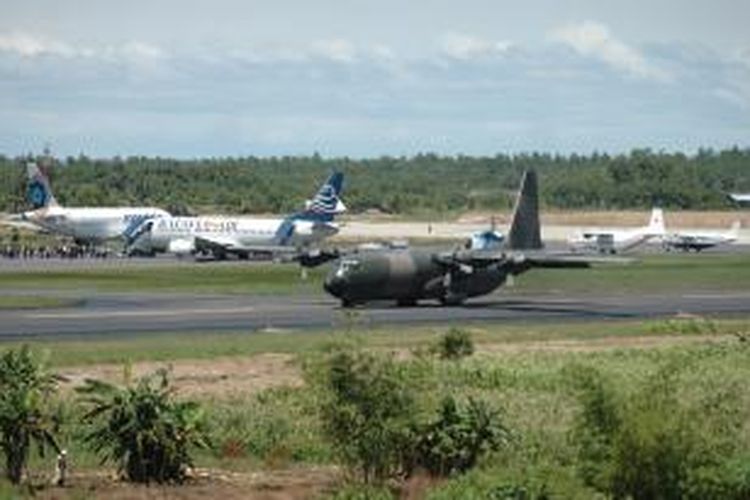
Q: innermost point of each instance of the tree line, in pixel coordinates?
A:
(421, 184)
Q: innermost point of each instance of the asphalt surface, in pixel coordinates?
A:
(118, 315)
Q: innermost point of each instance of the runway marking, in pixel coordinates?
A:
(125, 314)
(718, 296)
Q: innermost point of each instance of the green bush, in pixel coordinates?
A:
(653, 443)
(368, 413)
(454, 442)
(142, 428)
(27, 415)
(455, 344)
(276, 425)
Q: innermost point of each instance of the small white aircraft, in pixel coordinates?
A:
(686, 241)
(618, 240)
(220, 236)
(489, 239)
(740, 197)
(84, 224)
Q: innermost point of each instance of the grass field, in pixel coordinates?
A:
(263, 425)
(37, 302)
(648, 274)
(170, 277)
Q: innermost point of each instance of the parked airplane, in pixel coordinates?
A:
(410, 275)
(618, 240)
(84, 224)
(489, 239)
(700, 241)
(242, 236)
(741, 198)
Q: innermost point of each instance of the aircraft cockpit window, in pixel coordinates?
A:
(347, 266)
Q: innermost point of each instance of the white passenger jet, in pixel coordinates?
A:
(86, 225)
(687, 241)
(618, 240)
(221, 236)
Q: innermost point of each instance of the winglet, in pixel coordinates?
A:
(525, 230)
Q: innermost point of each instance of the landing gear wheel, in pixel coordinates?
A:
(406, 302)
(451, 301)
(348, 303)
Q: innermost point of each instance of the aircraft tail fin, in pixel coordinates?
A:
(38, 191)
(326, 203)
(656, 224)
(525, 229)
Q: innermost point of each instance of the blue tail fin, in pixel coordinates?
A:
(38, 192)
(326, 203)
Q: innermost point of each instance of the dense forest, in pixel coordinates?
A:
(422, 184)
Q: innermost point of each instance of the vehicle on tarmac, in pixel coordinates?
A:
(450, 277)
(617, 240)
(220, 236)
(86, 225)
(698, 241)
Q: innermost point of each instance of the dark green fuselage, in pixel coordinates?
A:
(407, 276)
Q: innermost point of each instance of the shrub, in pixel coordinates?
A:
(596, 424)
(368, 413)
(142, 429)
(454, 442)
(26, 413)
(455, 344)
(653, 444)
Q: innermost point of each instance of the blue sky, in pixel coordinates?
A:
(367, 78)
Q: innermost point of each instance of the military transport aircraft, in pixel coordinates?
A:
(451, 277)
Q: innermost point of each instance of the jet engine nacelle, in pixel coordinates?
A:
(182, 246)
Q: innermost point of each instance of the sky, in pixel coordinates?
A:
(365, 78)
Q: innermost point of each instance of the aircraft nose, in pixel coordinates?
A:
(334, 285)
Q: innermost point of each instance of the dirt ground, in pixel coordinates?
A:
(673, 219)
(202, 378)
(228, 376)
(288, 484)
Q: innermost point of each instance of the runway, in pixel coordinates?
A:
(123, 315)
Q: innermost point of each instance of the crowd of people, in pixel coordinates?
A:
(62, 251)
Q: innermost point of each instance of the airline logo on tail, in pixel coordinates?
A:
(326, 202)
(38, 192)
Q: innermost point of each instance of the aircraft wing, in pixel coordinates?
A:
(17, 220)
(525, 260)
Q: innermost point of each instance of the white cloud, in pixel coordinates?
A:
(337, 49)
(141, 50)
(593, 39)
(466, 47)
(30, 46)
